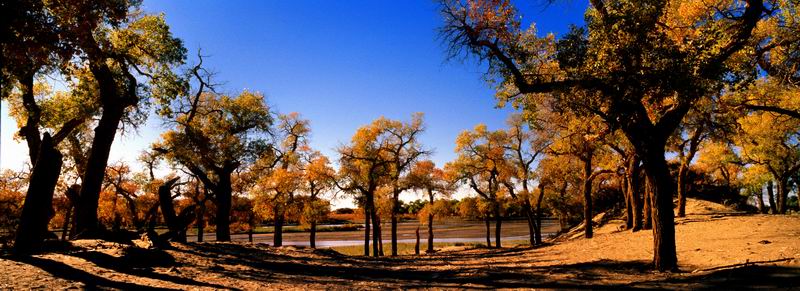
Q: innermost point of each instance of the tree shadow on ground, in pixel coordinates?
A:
(91, 281)
(139, 262)
(749, 277)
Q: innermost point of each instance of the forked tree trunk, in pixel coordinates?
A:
(37, 209)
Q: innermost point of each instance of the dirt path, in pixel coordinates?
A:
(710, 247)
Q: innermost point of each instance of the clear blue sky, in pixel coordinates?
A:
(341, 64)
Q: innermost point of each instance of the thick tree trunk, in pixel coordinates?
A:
(277, 234)
(587, 196)
(224, 196)
(177, 228)
(682, 189)
(783, 194)
(37, 209)
(92, 179)
(312, 240)
(498, 223)
(662, 215)
(773, 208)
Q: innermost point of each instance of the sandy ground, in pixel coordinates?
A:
(713, 247)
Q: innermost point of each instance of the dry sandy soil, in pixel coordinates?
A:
(717, 248)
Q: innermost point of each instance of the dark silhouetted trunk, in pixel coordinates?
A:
(416, 246)
(395, 210)
(379, 235)
(783, 194)
(661, 189)
(277, 237)
(223, 194)
(65, 226)
(498, 223)
(587, 196)
(771, 196)
(624, 180)
(37, 209)
(430, 223)
(92, 179)
(682, 189)
(201, 222)
(312, 240)
(177, 229)
(538, 237)
(376, 232)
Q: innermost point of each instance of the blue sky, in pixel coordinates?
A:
(341, 64)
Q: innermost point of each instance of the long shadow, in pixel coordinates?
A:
(139, 262)
(750, 277)
(300, 270)
(91, 281)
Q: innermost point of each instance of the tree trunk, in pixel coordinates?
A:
(771, 196)
(648, 205)
(379, 235)
(587, 196)
(662, 215)
(65, 226)
(224, 196)
(531, 222)
(627, 196)
(682, 190)
(633, 192)
(783, 194)
(488, 232)
(395, 210)
(312, 240)
(759, 196)
(430, 223)
(375, 226)
(416, 246)
(538, 237)
(168, 209)
(92, 179)
(37, 209)
(498, 223)
(367, 217)
(277, 235)
(200, 222)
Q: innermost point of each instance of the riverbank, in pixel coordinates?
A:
(715, 250)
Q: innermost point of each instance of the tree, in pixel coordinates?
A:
(364, 166)
(772, 141)
(403, 150)
(481, 164)
(283, 172)
(218, 135)
(319, 178)
(637, 65)
(523, 149)
(425, 176)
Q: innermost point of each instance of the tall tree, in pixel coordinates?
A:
(403, 149)
(319, 178)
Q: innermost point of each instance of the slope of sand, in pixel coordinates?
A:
(712, 247)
